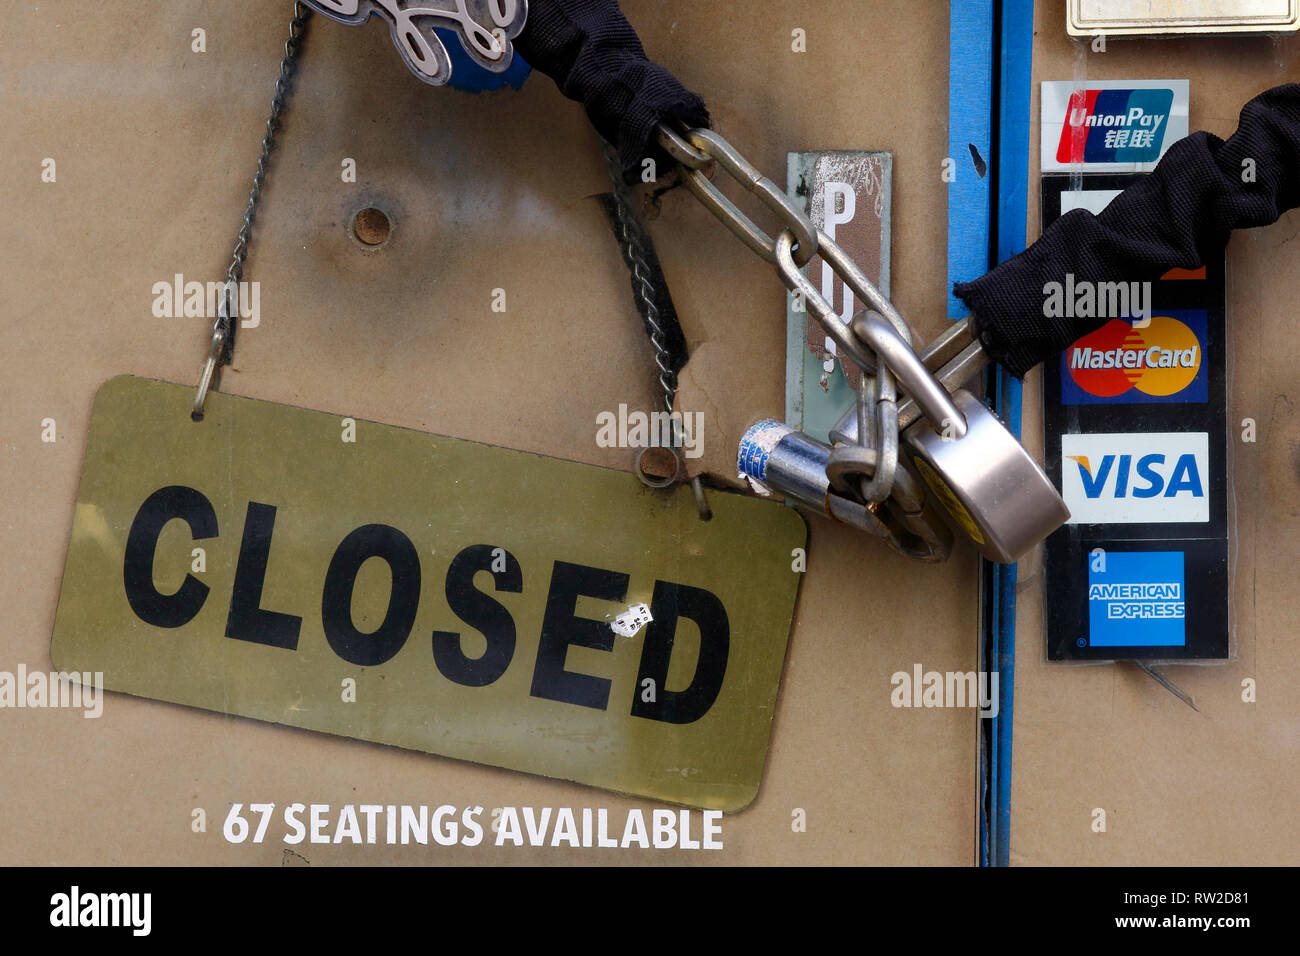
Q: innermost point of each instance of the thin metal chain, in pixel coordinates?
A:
(631, 239)
(221, 350)
(288, 66)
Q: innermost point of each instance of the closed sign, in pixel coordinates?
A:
(429, 593)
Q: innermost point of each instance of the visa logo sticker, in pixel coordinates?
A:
(1123, 125)
(1136, 599)
(1163, 361)
(1151, 477)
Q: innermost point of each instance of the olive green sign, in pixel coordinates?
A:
(429, 593)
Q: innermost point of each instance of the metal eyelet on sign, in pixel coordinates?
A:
(656, 481)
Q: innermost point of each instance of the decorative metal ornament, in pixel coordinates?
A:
(484, 28)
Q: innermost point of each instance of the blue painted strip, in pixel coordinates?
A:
(970, 123)
(991, 43)
(1016, 42)
(1004, 625)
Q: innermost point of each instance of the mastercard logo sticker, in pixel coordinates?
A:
(1163, 361)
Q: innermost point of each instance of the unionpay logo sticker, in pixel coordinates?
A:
(1115, 126)
(1136, 599)
(1111, 125)
(1152, 477)
(1121, 363)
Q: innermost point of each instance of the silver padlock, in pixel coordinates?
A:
(990, 487)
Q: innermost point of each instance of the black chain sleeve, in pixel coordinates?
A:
(1180, 216)
(595, 57)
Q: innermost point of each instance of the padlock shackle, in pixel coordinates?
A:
(896, 354)
(952, 373)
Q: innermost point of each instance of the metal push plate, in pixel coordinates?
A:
(1172, 17)
(467, 590)
(846, 193)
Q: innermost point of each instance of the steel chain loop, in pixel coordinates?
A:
(868, 471)
(708, 144)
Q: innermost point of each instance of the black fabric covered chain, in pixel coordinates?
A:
(1180, 216)
(595, 57)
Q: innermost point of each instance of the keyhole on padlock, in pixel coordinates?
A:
(371, 227)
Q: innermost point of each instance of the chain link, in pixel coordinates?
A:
(706, 143)
(222, 349)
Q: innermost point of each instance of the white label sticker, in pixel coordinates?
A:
(632, 620)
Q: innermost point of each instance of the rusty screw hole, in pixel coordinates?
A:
(371, 226)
